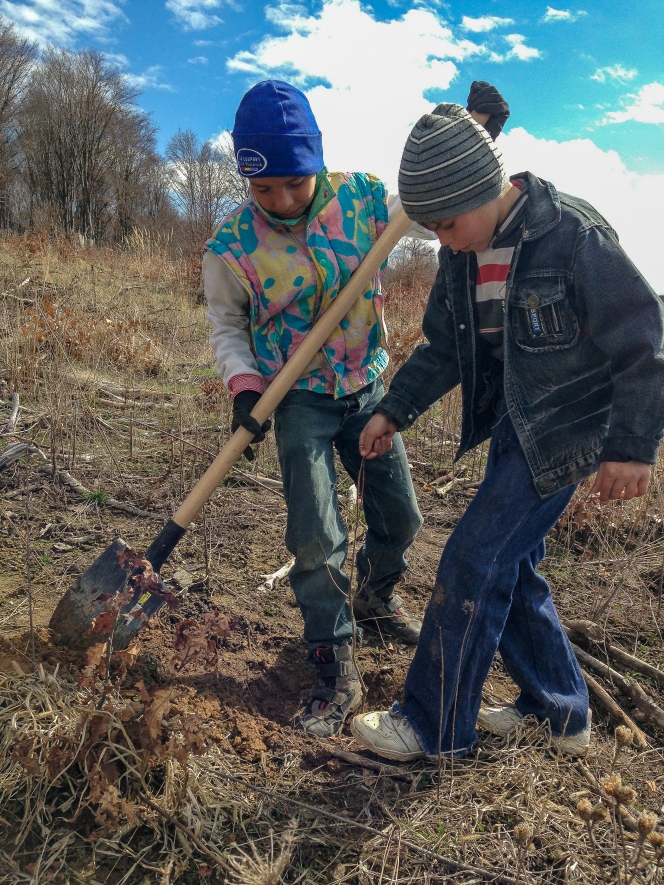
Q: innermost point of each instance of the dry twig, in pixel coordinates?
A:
(614, 709)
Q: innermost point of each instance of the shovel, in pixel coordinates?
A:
(72, 620)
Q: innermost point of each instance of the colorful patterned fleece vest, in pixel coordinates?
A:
(293, 270)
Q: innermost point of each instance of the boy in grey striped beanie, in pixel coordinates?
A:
(450, 165)
(558, 344)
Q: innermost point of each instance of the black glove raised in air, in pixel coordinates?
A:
(242, 406)
(485, 99)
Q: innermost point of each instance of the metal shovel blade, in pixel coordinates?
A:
(73, 619)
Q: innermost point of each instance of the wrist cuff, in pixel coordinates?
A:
(240, 383)
(630, 448)
(388, 414)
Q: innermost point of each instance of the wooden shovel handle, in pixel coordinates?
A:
(294, 368)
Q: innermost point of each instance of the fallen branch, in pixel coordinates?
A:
(264, 482)
(18, 492)
(20, 298)
(586, 628)
(458, 481)
(443, 490)
(14, 451)
(372, 765)
(630, 687)
(119, 403)
(637, 664)
(65, 477)
(615, 709)
(10, 426)
(106, 425)
(270, 581)
(106, 389)
(594, 633)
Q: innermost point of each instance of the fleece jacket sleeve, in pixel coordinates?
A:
(626, 321)
(228, 312)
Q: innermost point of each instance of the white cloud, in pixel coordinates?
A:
(484, 23)
(375, 74)
(615, 72)
(116, 58)
(198, 60)
(62, 22)
(631, 202)
(149, 79)
(519, 49)
(366, 110)
(562, 15)
(647, 106)
(196, 15)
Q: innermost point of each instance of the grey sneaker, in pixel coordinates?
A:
(337, 693)
(387, 734)
(505, 719)
(573, 744)
(387, 615)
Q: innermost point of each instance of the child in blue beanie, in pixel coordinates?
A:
(272, 267)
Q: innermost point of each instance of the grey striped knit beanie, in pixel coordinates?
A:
(450, 165)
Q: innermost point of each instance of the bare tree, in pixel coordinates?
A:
(17, 56)
(85, 144)
(412, 264)
(136, 174)
(236, 186)
(204, 182)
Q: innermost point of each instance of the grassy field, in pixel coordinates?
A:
(160, 771)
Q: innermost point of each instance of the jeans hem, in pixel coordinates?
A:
(430, 756)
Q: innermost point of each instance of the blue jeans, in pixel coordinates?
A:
(488, 597)
(309, 427)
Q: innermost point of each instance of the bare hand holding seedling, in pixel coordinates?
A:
(621, 480)
(376, 438)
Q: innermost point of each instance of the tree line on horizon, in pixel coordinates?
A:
(79, 157)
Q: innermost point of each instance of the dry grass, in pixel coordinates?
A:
(108, 351)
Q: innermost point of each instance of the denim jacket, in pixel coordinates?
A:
(583, 374)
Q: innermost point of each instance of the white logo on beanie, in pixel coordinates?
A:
(250, 162)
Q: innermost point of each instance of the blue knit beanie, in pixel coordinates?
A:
(276, 133)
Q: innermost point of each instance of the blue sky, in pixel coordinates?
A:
(585, 82)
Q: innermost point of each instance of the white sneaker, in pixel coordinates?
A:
(387, 734)
(574, 744)
(503, 719)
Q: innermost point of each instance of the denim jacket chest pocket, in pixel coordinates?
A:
(541, 316)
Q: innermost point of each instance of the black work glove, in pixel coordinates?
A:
(485, 99)
(243, 403)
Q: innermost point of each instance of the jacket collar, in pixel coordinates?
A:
(323, 193)
(542, 208)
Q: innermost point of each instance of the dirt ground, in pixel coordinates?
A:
(263, 677)
(137, 427)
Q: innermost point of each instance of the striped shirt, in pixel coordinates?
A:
(493, 267)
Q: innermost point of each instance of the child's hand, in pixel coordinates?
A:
(243, 403)
(621, 480)
(376, 438)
